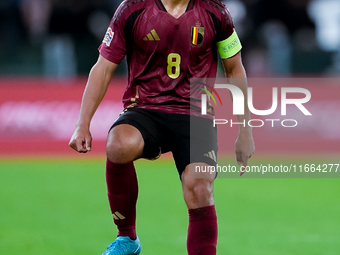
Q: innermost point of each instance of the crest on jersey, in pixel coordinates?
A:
(108, 37)
(197, 35)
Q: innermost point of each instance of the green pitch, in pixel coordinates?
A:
(60, 207)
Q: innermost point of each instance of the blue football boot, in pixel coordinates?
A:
(123, 245)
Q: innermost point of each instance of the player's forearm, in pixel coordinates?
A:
(238, 77)
(97, 84)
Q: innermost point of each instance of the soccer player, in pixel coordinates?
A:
(167, 43)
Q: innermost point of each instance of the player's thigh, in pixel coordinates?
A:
(124, 143)
(194, 140)
(135, 134)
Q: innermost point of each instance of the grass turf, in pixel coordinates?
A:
(60, 207)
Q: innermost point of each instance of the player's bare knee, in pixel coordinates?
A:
(199, 186)
(122, 151)
(198, 193)
(197, 181)
(124, 144)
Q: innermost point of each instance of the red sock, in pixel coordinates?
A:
(202, 233)
(122, 189)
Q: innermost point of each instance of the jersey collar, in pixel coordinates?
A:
(162, 8)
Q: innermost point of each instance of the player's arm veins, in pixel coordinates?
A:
(98, 82)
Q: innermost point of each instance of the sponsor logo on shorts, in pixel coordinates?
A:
(211, 154)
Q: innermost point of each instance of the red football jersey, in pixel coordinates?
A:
(164, 53)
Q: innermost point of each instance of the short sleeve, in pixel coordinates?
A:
(113, 47)
(228, 43)
(227, 25)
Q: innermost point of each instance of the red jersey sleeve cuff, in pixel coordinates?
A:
(105, 52)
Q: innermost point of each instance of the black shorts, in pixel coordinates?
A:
(191, 139)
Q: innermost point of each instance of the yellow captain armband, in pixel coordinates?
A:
(230, 46)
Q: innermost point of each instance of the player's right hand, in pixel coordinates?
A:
(81, 140)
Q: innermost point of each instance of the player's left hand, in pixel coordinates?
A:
(244, 149)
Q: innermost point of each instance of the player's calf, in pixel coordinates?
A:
(198, 195)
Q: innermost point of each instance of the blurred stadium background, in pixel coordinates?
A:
(53, 200)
